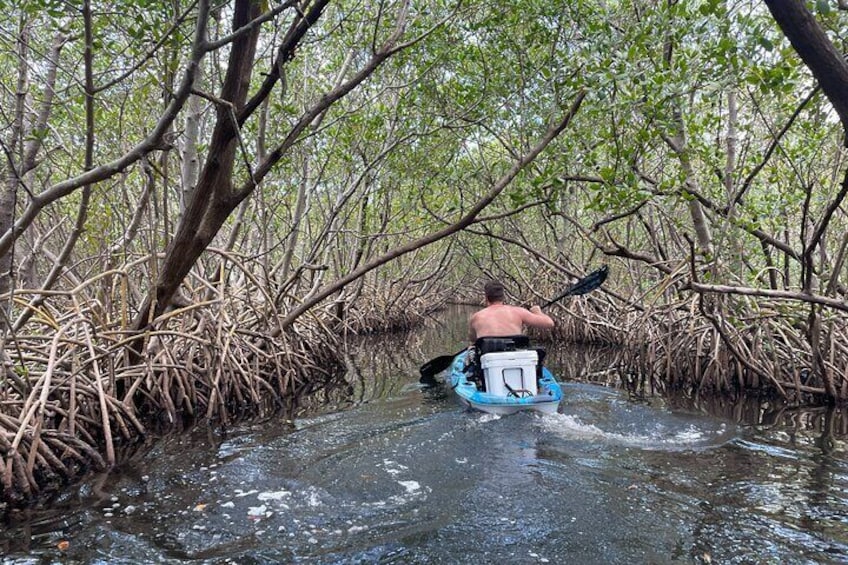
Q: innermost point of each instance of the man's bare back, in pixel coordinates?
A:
(499, 320)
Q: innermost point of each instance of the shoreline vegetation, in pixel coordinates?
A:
(720, 347)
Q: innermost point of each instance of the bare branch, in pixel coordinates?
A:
(795, 296)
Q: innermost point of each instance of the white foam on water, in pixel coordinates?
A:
(277, 495)
(314, 499)
(689, 435)
(393, 467)
(411, 487)
(571, 428)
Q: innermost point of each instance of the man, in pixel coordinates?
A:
(501, 320)
(500, 327)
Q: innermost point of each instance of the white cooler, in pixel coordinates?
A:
(514, 368)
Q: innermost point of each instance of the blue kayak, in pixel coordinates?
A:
(545, 398)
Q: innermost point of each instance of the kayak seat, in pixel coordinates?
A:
(502, 343)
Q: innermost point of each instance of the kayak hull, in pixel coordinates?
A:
(546, 401)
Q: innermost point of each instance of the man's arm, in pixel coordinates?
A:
(537, 319)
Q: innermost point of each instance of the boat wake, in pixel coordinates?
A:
(661, 435)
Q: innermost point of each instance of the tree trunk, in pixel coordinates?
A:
(811, 43)
(696, 210)
(191, 160)
(211, 201)
(13, 161)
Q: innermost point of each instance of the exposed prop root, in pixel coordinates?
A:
(737, 347)
(72, 401)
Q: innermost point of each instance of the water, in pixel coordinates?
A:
(397, 473)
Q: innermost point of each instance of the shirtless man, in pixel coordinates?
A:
(500, 320)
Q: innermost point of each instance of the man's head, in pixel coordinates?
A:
(494, 292)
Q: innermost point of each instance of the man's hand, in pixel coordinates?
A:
(536, 309)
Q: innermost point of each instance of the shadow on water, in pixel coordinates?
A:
(383, 470)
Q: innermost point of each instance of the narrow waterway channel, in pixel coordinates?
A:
(386, 471)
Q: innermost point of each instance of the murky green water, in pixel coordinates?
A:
(400, 474)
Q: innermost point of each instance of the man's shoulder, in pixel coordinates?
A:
(518, 309)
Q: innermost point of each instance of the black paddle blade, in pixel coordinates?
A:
(589, 283)
(435, 366)
(585, 285)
